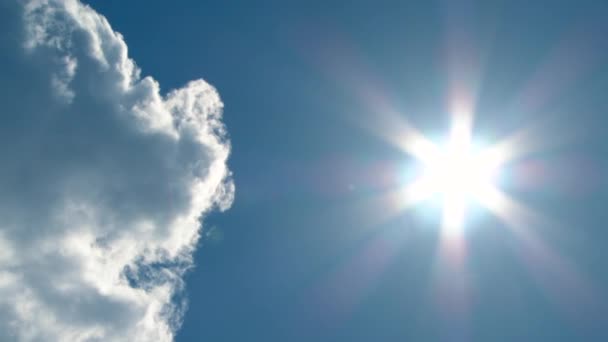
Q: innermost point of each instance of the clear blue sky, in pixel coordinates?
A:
(301, 256)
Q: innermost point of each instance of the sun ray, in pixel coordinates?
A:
(557, 276)
(392, 203)
(392, 127)
(527, 141)
(513, 213)
(380, 207)
(454, 212)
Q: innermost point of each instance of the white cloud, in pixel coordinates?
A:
(103, 180)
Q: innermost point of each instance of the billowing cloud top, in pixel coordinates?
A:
(103, 180)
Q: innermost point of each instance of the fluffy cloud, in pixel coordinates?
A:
(104, 181)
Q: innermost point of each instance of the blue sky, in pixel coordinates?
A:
(286, 73)
(310, 250)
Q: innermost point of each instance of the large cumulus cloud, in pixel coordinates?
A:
(103, 180)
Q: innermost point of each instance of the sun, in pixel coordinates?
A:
(459, 173)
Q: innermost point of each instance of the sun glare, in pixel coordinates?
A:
(458, 173)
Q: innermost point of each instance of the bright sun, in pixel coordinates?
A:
(459, 173)
(459, 176)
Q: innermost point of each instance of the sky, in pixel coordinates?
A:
(231, 171)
